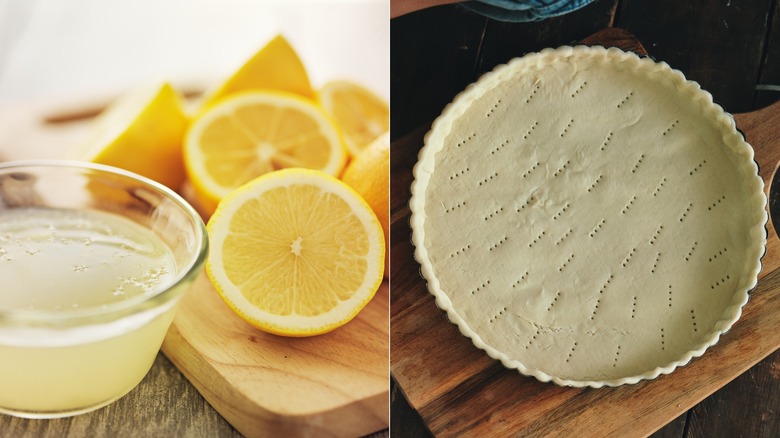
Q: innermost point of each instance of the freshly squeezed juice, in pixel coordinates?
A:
(75, 264)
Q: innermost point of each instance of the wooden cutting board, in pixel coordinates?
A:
(460, 391)
(335, 384)
(264, 385)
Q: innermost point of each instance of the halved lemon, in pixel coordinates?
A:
(253, 133)
(295, 252)
(276, 66)
(362, 115)
(141, 132)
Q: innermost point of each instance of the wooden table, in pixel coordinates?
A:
(437, 52)
(164, 404)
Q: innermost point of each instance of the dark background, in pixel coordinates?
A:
(730, 47)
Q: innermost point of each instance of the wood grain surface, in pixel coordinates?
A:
(443, 376)
(336, 384)
(727, 38)
(163, 404)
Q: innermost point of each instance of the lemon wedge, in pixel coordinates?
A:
(276, 66)
(142, 132)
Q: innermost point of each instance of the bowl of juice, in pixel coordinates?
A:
(93, 262)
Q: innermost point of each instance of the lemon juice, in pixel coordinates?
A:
(58, 266)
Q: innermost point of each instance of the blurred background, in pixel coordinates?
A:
(55, 50)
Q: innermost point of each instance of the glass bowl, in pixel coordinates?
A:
(93, 262)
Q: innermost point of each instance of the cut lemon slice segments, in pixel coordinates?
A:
(295, 252)
(253, 133)
(362, 115)
(276, 67)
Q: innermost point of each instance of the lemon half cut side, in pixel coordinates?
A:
(295, 252)
(256, 132)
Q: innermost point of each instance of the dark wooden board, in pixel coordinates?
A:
(718, 43)
(724, 413)
(768, 86)
(432, 65)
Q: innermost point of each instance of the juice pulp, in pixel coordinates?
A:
(64, 261)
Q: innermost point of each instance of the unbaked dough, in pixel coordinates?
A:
(588, 216)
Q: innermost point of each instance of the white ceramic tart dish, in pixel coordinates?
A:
(588, 216)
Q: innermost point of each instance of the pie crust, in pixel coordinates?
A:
(588, 216)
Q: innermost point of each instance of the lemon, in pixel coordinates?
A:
(253, 133)
(295, 252)
(141, 132)
(276, 66)
(369, 174)
(362, 115)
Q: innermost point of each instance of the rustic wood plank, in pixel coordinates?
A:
(504, 41)
(405, 422)
(433, 56)
(674, 429)
(617, 37)
(751, 395)
(770, 68)
(716, 43)
(163, 404)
